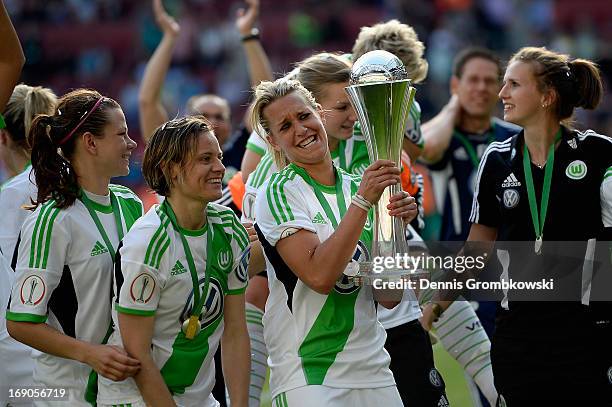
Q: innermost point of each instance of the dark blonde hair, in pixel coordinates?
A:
(321, 69)
(24, 104)
(576, 83)
(399, 39)
(174, 142)
(266, 93)
(77, 112)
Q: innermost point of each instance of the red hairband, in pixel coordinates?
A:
(85, 116)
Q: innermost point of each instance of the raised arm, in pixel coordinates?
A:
(152, 112)
(257, 60)
(438, 131)
(11, 57)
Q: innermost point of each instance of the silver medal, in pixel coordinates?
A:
(538, 245)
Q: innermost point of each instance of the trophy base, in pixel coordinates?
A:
(397, 278)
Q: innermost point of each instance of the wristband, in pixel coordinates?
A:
(2, 123)
(361, 202)
(253, 35)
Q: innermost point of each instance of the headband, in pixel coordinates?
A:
(84, 117)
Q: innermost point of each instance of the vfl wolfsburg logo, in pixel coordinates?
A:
(33, 290)
(213, 306)
(224, 259)
(576, 170)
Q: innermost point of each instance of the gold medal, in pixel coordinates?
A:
(191, 327)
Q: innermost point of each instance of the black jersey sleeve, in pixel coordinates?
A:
(485, 205)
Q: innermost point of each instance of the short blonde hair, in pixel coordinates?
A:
(266, 93)
(399, 39)
(174, 142)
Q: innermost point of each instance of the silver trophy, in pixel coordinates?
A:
(381, 94)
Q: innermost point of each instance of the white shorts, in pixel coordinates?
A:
(318, 395)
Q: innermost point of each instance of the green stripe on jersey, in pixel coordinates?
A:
(160, 240)
(262, 171)
(23, 317)
(327, 336)
(277, 200)
(255, 148)
(131, 207)
(41, 236)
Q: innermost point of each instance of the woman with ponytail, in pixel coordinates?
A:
(548, 184)
(60, 301)
(24, 105)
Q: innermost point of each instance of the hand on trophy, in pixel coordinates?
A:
(378, 176)
(251, 231)
(403, 205)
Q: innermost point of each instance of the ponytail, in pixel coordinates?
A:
(589, 86)
(55, 176)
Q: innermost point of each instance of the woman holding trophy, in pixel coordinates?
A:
(312, 220)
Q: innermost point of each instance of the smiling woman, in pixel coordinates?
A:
(64, 261)
(313, 219)
(181, 279)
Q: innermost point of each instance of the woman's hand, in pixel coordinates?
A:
(112, 362)
(403, 205)
(378, 176)
(165, 22)
(251, 231)
(245, 19)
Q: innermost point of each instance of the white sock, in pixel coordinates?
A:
(460, 332)
(259, 353)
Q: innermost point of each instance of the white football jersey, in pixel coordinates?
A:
(64, 278)
(17, 192)
(154, 279)
(335, 339)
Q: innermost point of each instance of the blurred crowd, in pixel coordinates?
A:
(105, 44)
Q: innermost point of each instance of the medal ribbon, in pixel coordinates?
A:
(538, 221)
(89, 204)
(469, 148)
(324, 204)
(198, 297)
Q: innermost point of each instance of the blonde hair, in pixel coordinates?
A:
(399, 39)
(321, 69)
(266, 93)
(174, 142)
(25, 103)
(576, 83)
